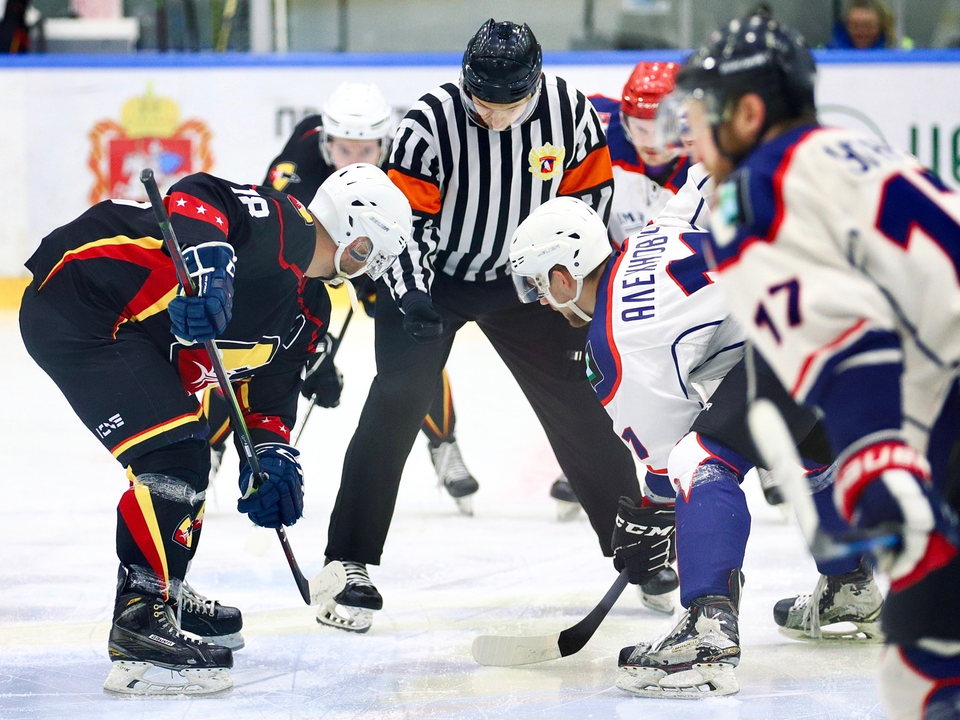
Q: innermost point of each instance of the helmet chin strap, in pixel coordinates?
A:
(572, 303)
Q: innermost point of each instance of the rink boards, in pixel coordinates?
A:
(77, 129)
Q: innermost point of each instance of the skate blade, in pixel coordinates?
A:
(143, 679)
(465, 505)
(567, 511)
(866, 633)
(665, 603)
(345, 617)
(701, 681)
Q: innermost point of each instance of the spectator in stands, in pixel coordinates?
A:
(867, 25)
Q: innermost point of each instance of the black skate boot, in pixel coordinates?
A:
(842, 607)
(215, 623)
(771, 488)
(657, 594)
(694, 660)
(568, 506)
(152, 657)
(352, 609)
(453, 475)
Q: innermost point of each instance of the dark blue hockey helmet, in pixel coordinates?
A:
(756, 54)
(502, 64)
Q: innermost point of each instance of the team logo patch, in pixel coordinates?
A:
(546, 162)
(304, 213)
(594, 375)
(198, 520)
(283, 174)
(150, 134)
(183, 535)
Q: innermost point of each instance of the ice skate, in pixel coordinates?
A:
(453, 475)
(211, 621)
(695, 660)
(352, 609)
(658, 594)
(152, 657)
(842, 607)
(568, 507)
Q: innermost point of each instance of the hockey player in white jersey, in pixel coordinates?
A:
(841, 257)
(661, 329)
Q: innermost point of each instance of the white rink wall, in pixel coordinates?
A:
(77, 129)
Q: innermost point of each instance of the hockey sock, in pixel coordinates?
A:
(440, 423)
(155, 521)
(713, 522)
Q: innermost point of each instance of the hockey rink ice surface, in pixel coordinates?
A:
(445, 578)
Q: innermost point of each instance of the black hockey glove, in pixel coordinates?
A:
(322, 381)
(205, 315)
(279, 500)
(420, 320)
(642, 540)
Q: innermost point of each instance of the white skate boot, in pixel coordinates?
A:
(659, 594)
(352, 609)
(453, 475)
(841, 607)
(568, 506)
(695, 660)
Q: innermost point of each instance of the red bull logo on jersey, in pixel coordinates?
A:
(150, 134)
(546, 162)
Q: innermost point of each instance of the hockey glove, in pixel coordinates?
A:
(420, 320)
(205, 316)
(888, 482)
(322, 381)
(643, 540)
(279, 499)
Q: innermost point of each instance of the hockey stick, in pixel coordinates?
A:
(333, 354)
(332, 579)
(509, 650)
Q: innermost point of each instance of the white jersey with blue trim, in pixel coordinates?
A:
(637, 198)
(659, 326)
(827, 239)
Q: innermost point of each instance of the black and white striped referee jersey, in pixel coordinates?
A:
(470, 187)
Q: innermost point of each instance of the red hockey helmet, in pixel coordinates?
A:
(648, 84)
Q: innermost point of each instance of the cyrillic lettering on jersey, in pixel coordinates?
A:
(638, 287)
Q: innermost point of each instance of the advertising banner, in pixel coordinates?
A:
(73, 136)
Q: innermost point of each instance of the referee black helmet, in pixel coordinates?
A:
(502, 63)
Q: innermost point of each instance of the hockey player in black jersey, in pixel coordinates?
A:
(104, 320)
(356, 125)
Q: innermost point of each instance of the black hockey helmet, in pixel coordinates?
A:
(502, 63)
(758, 55)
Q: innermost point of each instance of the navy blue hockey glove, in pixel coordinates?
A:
(205, 316)
(279, 500)
(420, 320)
(642, 540)
(322, 381)
(888, 482)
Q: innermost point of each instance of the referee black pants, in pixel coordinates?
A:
(542, 352)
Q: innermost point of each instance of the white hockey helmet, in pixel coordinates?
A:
(366, 215)
(564, 231)
(357, 111)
